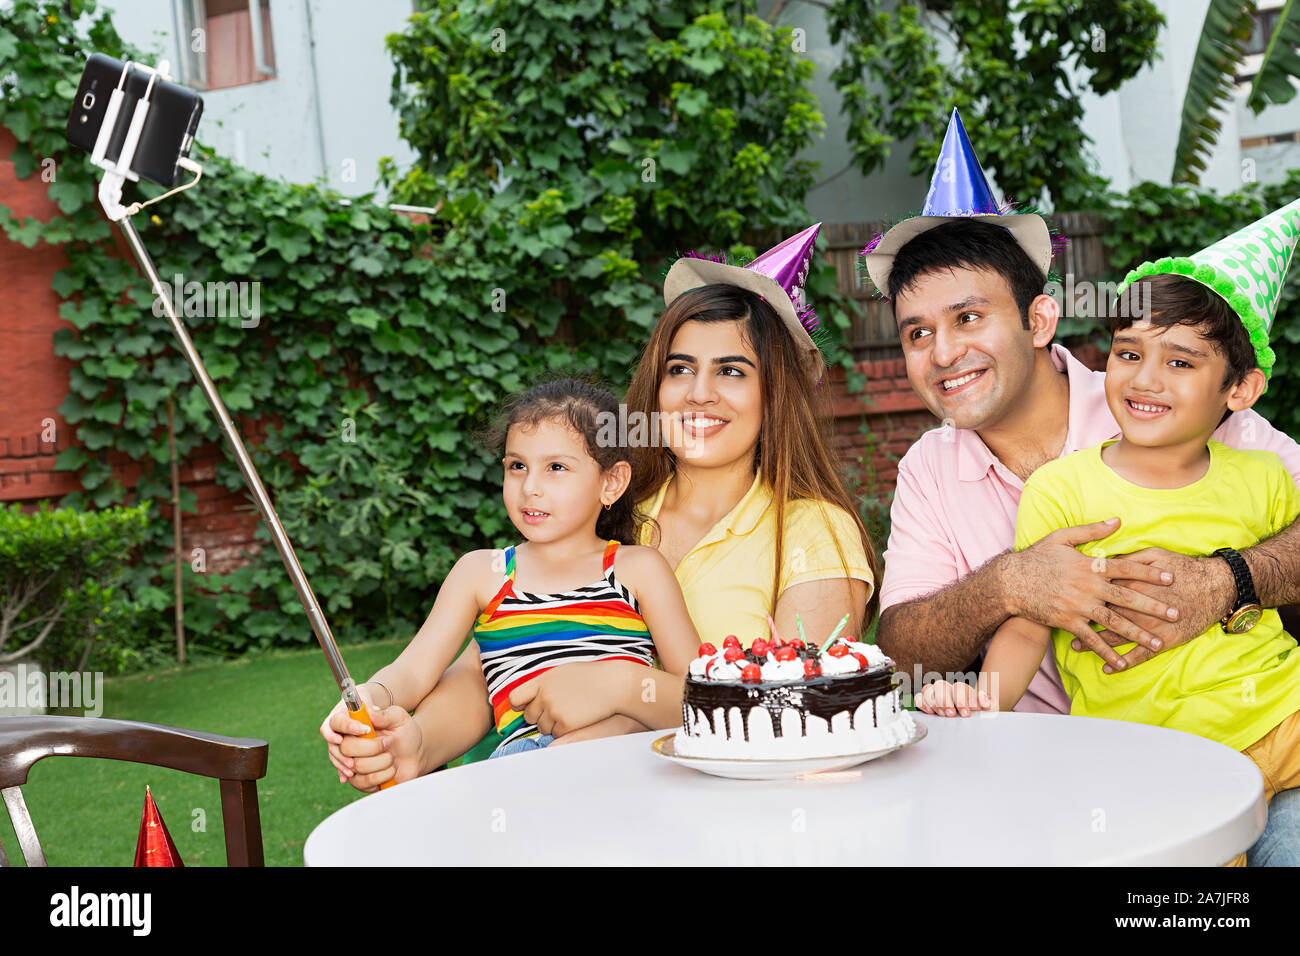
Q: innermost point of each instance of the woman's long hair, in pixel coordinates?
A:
(794, 452)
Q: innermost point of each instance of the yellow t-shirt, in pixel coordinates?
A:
(727, 577)
(1230, 688)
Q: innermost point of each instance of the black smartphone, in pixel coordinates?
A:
(168, 131)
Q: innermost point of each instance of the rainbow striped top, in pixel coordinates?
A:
(522, 635)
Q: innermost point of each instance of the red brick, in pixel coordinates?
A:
(206, 491)
(198, 471)
(223, 522)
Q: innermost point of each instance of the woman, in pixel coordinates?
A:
(745, 504)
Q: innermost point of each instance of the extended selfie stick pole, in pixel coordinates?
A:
(110, 193)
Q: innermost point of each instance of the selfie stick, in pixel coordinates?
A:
(110, 196)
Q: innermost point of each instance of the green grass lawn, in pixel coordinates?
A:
(87, 812)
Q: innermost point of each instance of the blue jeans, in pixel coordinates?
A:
(1279, 844)
(523, 744)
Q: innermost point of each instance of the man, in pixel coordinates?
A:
(976, 332)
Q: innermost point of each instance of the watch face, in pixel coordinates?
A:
(1244, 620)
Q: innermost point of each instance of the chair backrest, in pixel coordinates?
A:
(238, 762)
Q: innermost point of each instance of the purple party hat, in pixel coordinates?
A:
(778, 275)
(787, 264)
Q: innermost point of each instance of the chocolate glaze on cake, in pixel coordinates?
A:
(823, 696)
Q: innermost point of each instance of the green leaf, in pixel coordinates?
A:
(19, 123)
(24, 160)
(691, 102)
(70, 459)
(678, 160)
(69, 194)
(120, 366)
(367, 318)
(289, 240)
(1219, 51)
(1281, 63)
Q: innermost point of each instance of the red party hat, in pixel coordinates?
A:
(155, 846)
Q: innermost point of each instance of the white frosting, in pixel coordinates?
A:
(793, 670)
(891, 727)
(847, 664)
(724, 670)
(874, 655)
(775, 670)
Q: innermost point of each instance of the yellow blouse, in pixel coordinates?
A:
(727, 577)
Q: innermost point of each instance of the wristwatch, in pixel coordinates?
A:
(1246, 611)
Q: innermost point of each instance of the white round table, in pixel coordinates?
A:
(996, 789)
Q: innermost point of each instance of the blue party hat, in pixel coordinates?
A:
(959, 190)
(959, 187)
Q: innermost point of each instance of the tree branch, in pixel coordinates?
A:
(15, 655)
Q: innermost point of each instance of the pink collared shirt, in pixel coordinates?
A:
(955, 503)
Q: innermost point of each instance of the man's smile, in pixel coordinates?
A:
(956, 383)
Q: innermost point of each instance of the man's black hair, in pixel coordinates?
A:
(968, 244)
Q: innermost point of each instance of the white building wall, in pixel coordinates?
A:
(325, 112)
(328, 108)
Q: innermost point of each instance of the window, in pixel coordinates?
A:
(226, 42)
(1265, 22)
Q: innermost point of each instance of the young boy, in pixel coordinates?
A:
(1182, 359)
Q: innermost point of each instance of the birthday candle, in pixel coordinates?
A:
(775, 636)
(799, 624)
(836, 633)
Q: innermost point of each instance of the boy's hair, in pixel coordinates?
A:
(968, 244)
(578, 404)
(1168, 300)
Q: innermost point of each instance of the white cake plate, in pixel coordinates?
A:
(769, 769)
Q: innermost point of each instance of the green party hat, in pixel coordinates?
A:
(1247, 269)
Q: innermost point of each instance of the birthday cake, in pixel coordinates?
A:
(791, 700)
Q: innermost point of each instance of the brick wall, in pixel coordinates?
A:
(892, 413)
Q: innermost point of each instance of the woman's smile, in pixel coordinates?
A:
(701, 425)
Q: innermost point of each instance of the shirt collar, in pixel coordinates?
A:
(1090, 420)
(742, 519)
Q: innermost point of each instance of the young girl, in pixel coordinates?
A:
(575, 591)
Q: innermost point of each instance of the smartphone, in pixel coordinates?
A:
(168, 131)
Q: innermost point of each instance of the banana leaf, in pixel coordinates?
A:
(1281, 62)
(1219, 51)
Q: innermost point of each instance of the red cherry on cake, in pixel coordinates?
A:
(785, 653)
(796, 643)
(707, 650)
(862, 660)
(732, 654)
(811, 668)
(759, 647)
(837, 650)
(751, 674)
(731, 641)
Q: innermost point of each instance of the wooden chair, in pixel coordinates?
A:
(238, 762)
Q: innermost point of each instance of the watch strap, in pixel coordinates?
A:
(1241, 576)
